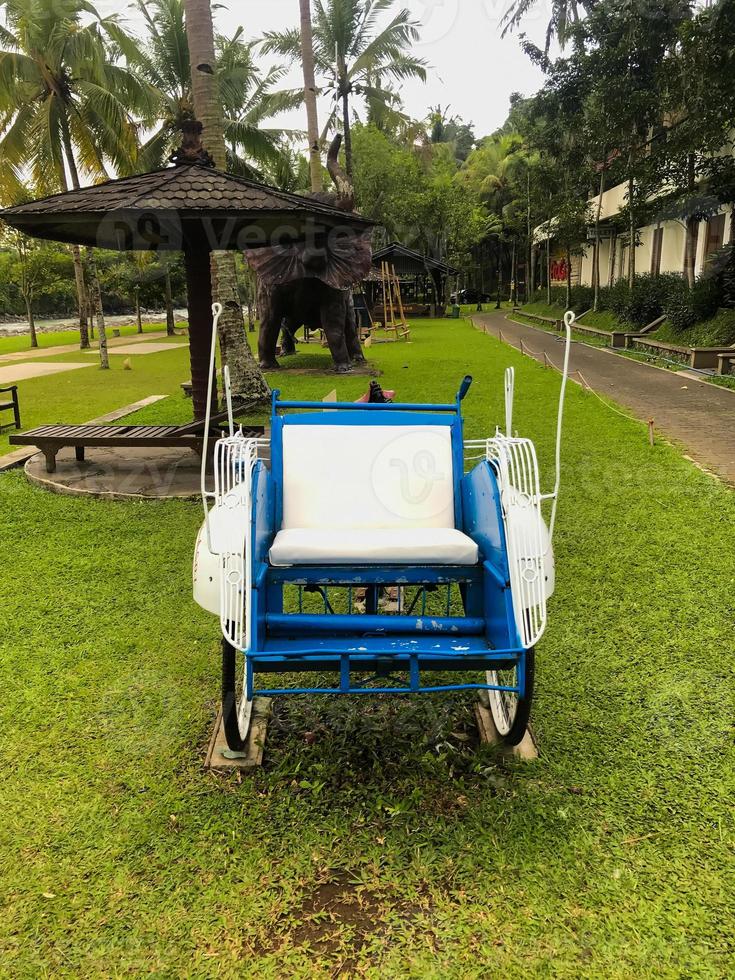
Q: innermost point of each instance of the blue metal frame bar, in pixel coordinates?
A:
(272, 692)
(343, 575)
(367, 406)
(360, 625)
(357, 656)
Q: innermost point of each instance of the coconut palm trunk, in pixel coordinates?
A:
(76, 253)
(312, 119)
(347, 131)
(96, 311)
(247, 381)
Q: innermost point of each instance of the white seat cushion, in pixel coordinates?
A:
(369, 546)
(367, 476)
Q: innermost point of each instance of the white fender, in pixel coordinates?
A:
(206, 575)
(526, 530)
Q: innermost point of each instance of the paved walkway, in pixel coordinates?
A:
(12, 373)
(35, 352)
(697, 414)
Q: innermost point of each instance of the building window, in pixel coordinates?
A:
(715, 234)
(658, 240)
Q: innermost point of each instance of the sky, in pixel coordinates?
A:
(474, 69)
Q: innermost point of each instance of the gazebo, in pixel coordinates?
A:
(189, 207)
(416, 272)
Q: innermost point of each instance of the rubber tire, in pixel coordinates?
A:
(523, 711)
(235, 741)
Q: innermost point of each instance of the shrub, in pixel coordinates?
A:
(581, 297)
(684, 307)
(646, 300)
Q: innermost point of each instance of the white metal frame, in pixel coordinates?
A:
(514, 460)
(228, 521)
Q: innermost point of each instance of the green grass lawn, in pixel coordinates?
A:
(78, 395)
(378, 840)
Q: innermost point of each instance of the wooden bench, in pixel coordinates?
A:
(11, 405)
(726, 363)
(51, 438)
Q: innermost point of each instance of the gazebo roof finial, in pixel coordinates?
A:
(191, 149)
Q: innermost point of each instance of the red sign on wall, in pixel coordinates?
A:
(559, 269)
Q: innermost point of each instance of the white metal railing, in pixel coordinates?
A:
(529, 543)
(228, 509)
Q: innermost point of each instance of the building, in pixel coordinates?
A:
(662, 245)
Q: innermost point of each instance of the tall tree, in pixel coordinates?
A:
(565, 14)
(247, 380)
(249, 97)
(67, 103)
(354, 56)
(312, 120)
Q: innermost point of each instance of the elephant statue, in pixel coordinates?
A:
(311, 319)
(309, 283)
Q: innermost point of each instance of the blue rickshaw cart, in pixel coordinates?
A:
(351, 553)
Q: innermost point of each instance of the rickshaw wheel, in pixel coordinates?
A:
(236, 709)
(511, 712)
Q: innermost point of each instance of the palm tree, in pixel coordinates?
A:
(312, 121)
(564, 15)
(354, 56)
(248, 96)
(68, 106)
(499, 172)
(247, 380)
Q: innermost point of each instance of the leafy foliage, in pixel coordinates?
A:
(71, 95)
(250, 99)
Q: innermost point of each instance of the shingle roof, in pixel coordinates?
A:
(407, 261)
(191, 193)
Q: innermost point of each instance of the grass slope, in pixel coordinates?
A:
(719, 331)
(378, 840)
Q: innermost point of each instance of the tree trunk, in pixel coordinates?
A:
(31, 319)
(631, 247)
(513, 273)
(312, 120)
(569, 278)
(76, 253)
(596, 264)
(499, 271)
(138, 318)
(95, 294)
(611, 267)
(548, 269)
(690, 257)
(532, 273)
(347, 132)
(205, 89)
(81, 297)
(170, 319)
(245, 375)
(246, 378)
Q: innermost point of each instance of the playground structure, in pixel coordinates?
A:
(394, 320)
(373, 498)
